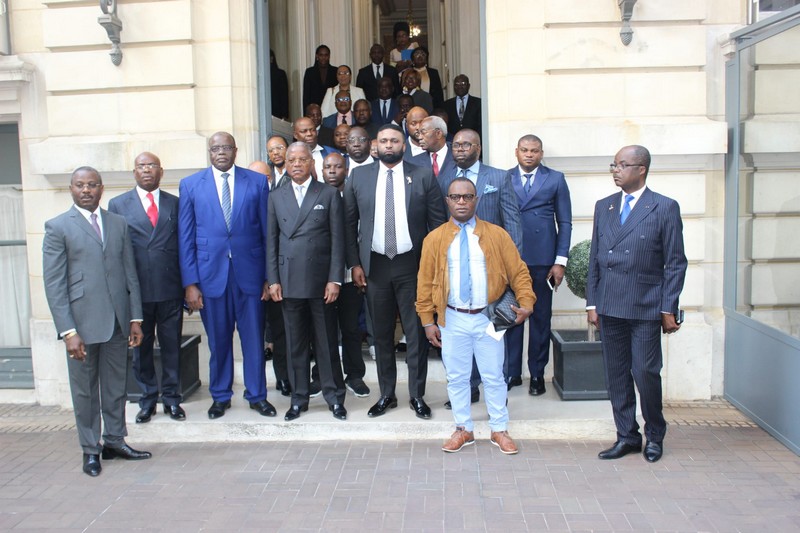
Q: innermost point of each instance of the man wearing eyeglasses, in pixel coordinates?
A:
(344, 113)
(637, 267)
(497, 202)
(152, 216)
(473, 261)
(222, 232)
(276, 152)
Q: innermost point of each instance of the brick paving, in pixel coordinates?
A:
(719, 474)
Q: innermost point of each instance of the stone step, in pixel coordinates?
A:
(543, 417)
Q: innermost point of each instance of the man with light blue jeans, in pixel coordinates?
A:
(466, 264)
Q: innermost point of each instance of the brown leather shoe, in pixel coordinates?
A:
(502, 440)
(458, 440)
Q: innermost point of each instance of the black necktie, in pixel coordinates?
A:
(378, 72)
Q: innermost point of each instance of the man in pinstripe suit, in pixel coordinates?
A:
(636, 270)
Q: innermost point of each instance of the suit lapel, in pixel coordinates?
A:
(210, 194)
(241, 184)
(133, 205)
(516, 182)
(480, 183)
(538, 181)
(645, 205)
(84, 225)
(309, 201)
(165, 206)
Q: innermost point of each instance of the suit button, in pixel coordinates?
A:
(611, 251)
(609, 268)
(627, 251)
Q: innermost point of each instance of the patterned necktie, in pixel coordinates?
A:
(461, 109)
(152, 210)
(435, 164)
(464, 286)
(226, 199)
(300, 194)
(96, 226)
(390, 235)
(344, 119)
(528, 183)
(626, 209)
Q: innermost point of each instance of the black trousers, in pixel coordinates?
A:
(632, 355)
(278, 338)
(348, 308)
(392, 285)
(164, 319)
(306, 318)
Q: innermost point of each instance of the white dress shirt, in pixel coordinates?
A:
(88, 216)
(400, 216)
(146, 201)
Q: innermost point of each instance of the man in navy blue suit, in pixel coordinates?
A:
(384, 107)
(222, 227)
(546, 211)
(636, 271)
(152, 216)
(497, 202)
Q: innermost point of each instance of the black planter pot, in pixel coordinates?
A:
(578, 371)
(190, 369)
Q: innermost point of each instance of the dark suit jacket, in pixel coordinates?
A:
(331, 121)
(155, 249)
(90, 283)
(546, 216)
(472, 115)
(205, 244)
(279, 89)
(424, 210)
(305, 244)
(636, 269)
(436, 91)
(325, 135)
(314, 87)
(445, 166)
(377, 112)
(423, 99)
(366, 80)
(497, 202)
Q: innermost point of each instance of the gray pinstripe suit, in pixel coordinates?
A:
(636, 273)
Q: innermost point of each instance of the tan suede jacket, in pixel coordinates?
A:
(504, 267)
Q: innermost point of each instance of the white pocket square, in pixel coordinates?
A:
(319, 206)
(489, 188)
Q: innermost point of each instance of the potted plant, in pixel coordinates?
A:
(578, 371)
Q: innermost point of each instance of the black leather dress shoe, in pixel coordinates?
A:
(144, 415)
(264, 408)
(217, 409)
(420, 408)
(537, 387)
(284, 386)
(294, 412)
(653, 451)
(514, 382)
(383, 404)
(268, 354)
(125, 452)
(619, 449)
(400, 347)
(338, 411)
(175, 412)
(474, 397)
(91, 464)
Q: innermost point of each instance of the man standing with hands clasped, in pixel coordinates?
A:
(636, 272)
(466, 265)
(93, 293)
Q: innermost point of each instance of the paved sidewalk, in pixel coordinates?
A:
(719, 473)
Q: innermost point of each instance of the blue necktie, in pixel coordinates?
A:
(464, 288)
(226, 200)
(528, 183)
(626, 209)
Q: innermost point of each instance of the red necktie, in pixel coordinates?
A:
(435, 164)
(152, 211)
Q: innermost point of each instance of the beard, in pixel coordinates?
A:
(390, 158)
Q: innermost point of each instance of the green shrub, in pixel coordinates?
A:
(578, 268)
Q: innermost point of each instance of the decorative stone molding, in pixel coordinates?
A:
(113, 26)
(14, 71)
(626, 12)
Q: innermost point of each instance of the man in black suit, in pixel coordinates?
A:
(318, 77)
(636, 271)
(369, 77)
(152, 216)
(419, 60)
(362, 117)
(306, 266)
(464, 110)
(384, 107)
(324, 133)
(390, 206)
(93, 292)
(411, 87)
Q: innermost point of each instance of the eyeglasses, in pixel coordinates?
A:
(344, 73)
(148, 166)
(276, 149)
(221, 148)
(464, 145)
(622, 166)
(352, 140)
(91, 185)
(455, 198)
(302, 160)
(343, 99)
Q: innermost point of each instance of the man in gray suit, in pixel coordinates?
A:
(152, 216)
(93, 293)
(497, 201)
(636, 272)
(305, 258)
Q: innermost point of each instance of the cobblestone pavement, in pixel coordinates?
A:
(719, 473)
